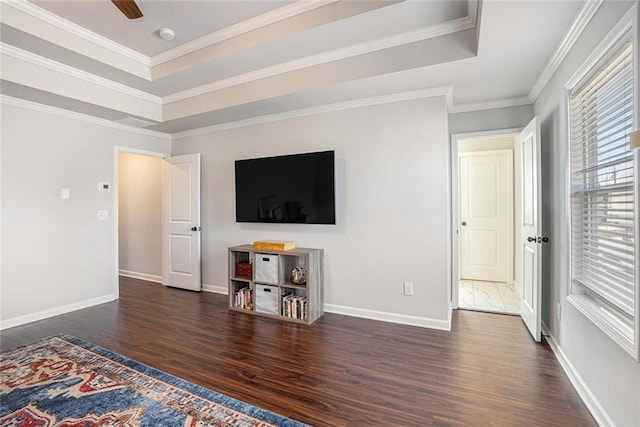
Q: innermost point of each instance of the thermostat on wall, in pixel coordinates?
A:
(104, 186)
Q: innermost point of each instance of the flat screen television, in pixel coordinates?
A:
(292, 189)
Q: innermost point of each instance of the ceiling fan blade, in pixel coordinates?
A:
(129, 8)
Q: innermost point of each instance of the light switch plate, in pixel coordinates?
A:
(104, 186)
(65, 193)
(103, 215)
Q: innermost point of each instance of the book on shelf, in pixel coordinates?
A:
(242, 299)
(294, 306)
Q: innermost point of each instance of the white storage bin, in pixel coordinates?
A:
(267, 299)
(266, 268)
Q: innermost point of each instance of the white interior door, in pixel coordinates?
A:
(486, 215)
(181, 243)
(530, 250)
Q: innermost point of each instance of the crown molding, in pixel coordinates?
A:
(472, 11)
(586, 12)
(444, 91)
(76, 30)
(240, 28)
(433, 31)
(490, 105)
(614, 37)
(34, 106)
(6, 49)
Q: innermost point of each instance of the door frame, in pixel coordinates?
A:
(117, 150)
(455, 203)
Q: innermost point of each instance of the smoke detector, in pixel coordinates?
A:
(167, 34)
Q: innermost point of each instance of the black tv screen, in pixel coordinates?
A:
(294, 189)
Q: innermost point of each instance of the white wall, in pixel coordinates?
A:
(606, 371)
(140, 215)
(56, 256)
(391, 191)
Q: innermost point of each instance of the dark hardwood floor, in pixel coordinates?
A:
(339, 371)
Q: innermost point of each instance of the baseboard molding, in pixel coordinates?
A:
(589, 399)
(216, 289)
(141, 276)
(45, 314)
(517, 286)
(403, 319)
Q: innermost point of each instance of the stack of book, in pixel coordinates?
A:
(294, 306)
(242, 299)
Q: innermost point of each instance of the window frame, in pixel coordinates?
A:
(625, 334)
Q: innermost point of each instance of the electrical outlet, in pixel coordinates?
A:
(408, 288)
(558, 311)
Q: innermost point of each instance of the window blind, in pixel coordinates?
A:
(602, 183)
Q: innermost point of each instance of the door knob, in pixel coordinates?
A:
(531, 239)
(464, 222)
(544, 239)
(196, 228)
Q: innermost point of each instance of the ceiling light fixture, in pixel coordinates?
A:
(167, 34)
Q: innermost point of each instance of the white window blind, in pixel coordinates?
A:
(602, 184)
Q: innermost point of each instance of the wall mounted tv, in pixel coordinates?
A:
(293, 189)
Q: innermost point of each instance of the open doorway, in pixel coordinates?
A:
(138, 214)
(486, 205)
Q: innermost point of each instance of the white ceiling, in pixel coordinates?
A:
(237, 61)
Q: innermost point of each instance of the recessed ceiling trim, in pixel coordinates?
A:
(6, 49)
(586, 12)
(433, 31)
(490, 105)
(80, 36)
(327, 108)
(29, 105)
(135, 122)
(240, 28)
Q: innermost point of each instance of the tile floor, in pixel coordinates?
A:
(489, 296)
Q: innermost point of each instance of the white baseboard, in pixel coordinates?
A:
(589, 399)
(44, 314)
(141, 276)
(517, 286)
(403, 319)
(216, 289)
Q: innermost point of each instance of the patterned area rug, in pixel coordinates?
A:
(64, 381)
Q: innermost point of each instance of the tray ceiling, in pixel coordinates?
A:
(236, 61)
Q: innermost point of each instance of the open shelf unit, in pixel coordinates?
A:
(260, 282)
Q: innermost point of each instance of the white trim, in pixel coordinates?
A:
(588, 398)
(23, 55)
(490, 105)
(454, 212)
(586, 12)
(625, 24)
(433, 31)
(30, 105)
(141, 276)
(402, 319)
(604, 320)
(327, 108)
(45, 314)
(216, 289)
(252, 24)
(50, 18)
(585, 304)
